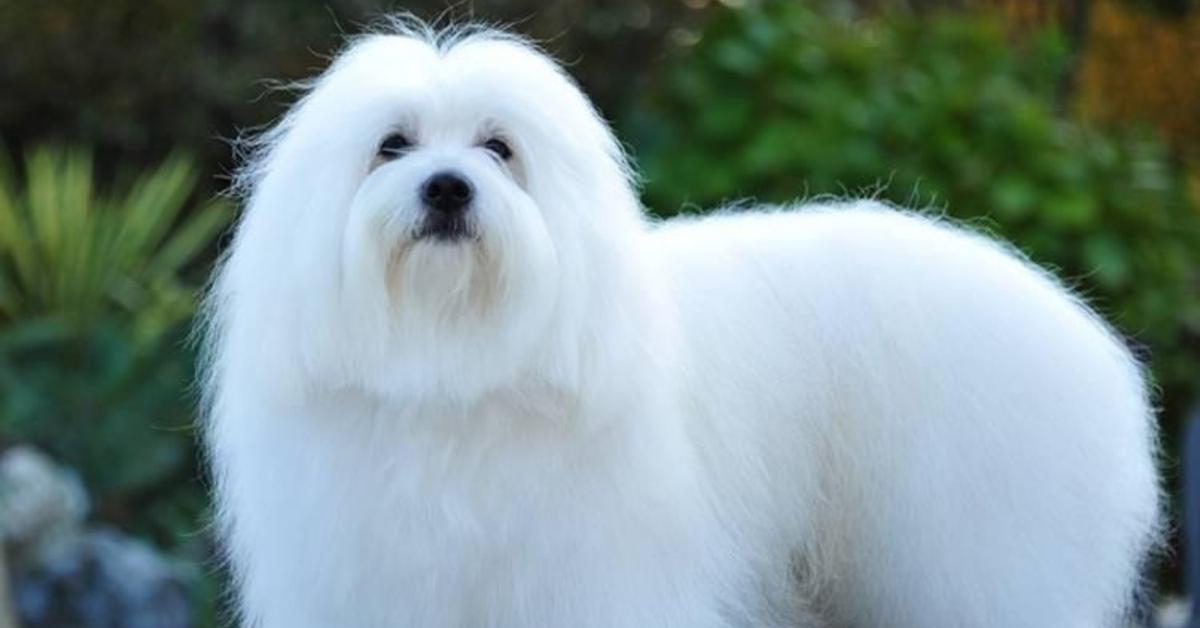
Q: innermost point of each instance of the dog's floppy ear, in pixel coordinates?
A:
(297, 179)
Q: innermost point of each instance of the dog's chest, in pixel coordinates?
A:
(396, 527)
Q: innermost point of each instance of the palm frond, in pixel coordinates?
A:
(70, 252)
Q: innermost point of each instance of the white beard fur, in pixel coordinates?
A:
(839, 415)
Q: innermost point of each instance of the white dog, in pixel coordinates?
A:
(459, 380)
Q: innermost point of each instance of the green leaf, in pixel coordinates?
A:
(192, 237)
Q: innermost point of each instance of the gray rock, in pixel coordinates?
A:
(41, 504)
(64, 575)
(1174, 613)
(103, 579)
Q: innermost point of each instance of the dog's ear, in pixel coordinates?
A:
(282, 274)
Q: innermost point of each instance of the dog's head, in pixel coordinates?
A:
(438, 212)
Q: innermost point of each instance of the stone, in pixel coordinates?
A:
(41, 504)
(104, 579)
(64, 574)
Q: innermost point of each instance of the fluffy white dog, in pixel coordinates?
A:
(459, 380)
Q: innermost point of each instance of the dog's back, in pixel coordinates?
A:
(926, 428)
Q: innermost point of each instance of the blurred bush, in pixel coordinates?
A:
(782, 100)
(138, 78)
(134, 79)
(94, 306)
(1142, 66)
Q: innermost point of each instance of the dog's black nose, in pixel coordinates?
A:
(447, 192)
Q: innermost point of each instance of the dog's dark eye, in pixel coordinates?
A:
(393, 146)
(499, 147)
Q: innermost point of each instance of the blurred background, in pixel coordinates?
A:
(1071, 127)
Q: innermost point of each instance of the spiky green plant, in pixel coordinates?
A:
(70, 254)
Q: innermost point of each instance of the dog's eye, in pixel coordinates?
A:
(499, 147)
(394, 145)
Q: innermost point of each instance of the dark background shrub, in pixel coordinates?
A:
(950, 113)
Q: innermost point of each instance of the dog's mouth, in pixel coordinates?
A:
(447, 229)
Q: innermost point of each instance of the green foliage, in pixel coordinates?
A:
(777, 101)
(94, 305)
(136, 78)
(71, 255)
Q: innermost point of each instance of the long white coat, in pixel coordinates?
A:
(841, 415)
